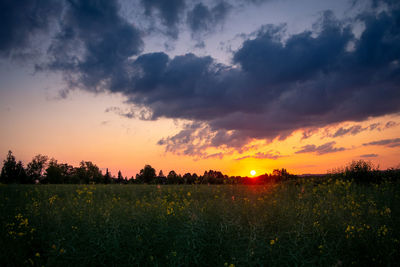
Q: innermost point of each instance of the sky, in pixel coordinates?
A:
(190, 86)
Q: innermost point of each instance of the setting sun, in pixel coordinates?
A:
(253, 172)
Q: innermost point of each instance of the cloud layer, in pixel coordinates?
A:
(280, 87)
(22, 20)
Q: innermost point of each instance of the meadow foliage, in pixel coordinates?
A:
(310, 221)
(351, 216)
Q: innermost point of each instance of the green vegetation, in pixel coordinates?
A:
(310, 221)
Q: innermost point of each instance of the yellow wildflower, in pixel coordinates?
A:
(24, 222)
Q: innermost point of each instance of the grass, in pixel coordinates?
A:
(328, 223)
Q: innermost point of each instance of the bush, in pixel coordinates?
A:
(360, 171)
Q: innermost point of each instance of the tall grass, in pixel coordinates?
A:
(310, 222)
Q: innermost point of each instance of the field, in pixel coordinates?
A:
(310, 222)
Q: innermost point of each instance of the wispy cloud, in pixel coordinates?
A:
(385, 142)
(391, 124)
(262, 155)
(369, 156)
(130, 113)
(357, 128)
(353, 130)
(322, 149)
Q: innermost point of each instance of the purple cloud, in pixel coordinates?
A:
(262, 155)
(369, 156)
(385, 142)
(322, 149)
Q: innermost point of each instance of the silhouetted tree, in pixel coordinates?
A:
(281, 174)
(22, 176)
(195, 178)
(276, 172)
(12, 172)
(360, 171)
(172, 177)
(213, 177)
(146, 175)
(9, 170)
(187, 178)
(161, 179)
(89, 173)
(58, 173)
(120, 178)
(107, 177)
(36, 167)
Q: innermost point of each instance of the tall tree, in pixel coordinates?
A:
(172, 177)
(12, 172)
(89, 173)
(107, 177)
(58, 173)
(36, 167)
(147, 174)
(187, 178)
(21, 174)
(120, 178)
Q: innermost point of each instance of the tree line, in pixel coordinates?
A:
(43, 170)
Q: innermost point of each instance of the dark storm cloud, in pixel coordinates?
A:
(203, 19)
(311, 80)
(271, 61)
(170, 12)
(21, 20)
(94, 45)
(322, 149)
(385, 142)
(187, 86)
(200, 17)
